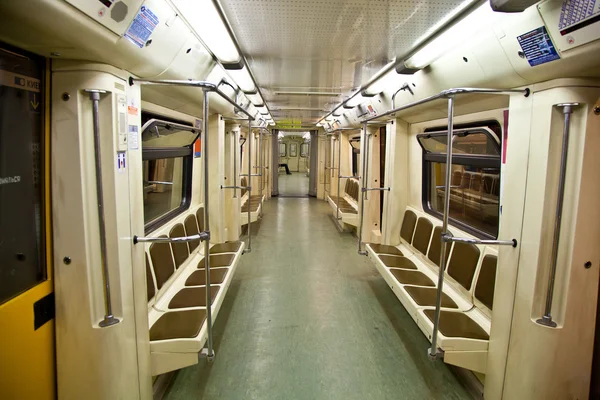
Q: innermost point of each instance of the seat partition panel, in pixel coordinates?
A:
(150, 290)
(408, 225)
(181, 251)
(200, 218)
(422, 235)
(463, 263)
(486, 282)
(191, 228)
(435, 249)
(162, 262)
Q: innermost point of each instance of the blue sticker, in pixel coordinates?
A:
(538, 46)
(142, 27)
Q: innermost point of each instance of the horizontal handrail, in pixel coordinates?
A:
(160, 182)
(235, 187)
(251, 174)
(444, 94)
(182, 239)
(207, 86)
(370, 189)
(447, 237)
(348, 177)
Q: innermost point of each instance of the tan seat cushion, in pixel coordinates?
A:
(193, 297)
(458, 324)
(410, 277)
(397, 262)
(385, 249)
(178, 324)
(426, 297)
(229, 247)
(198, 277)
(218, 260)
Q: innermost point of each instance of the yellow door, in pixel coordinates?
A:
(27, 356)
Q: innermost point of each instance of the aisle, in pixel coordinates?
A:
(306, 317)
(294, 185)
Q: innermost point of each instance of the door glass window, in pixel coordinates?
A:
(22, 263)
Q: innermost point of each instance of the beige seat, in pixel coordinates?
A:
(176, 291)
(456, 324)
(198, 277)
(193, 297)
(178, 324)
(218, 260)
(426, 297)
(406, 232)
(385, 249)
(397, 262)
(411, 277)
(228, 247)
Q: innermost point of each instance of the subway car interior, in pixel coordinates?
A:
(285, 199)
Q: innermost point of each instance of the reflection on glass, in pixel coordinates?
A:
(22, 263)
(474, 195)
(293, 149)
(473, 143)
(163, 187)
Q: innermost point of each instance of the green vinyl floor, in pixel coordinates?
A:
(306, 317)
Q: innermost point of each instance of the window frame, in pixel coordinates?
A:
(480, 161)
(187, 154)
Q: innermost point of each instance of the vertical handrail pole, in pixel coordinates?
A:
(249, 157)
(210, 352)
(339, 140)
(364, 140)
(366, 165)
(235, 177)
(109, 318)
(433, 351)
(547, 317)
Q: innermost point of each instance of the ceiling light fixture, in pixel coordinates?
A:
(480, 18)
(398, 64)
(206, 21)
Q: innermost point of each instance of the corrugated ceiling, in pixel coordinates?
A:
(324, 45)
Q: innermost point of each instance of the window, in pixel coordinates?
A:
(304, 150)
(282, 150)
(167, 170)
(475, 179)
(293, 149)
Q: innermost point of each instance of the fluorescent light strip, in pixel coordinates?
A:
(208, 25)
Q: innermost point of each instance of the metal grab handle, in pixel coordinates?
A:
(365, 140)
(547, 317)
(364, 190)
(248, 249)
(182, 239)
(160, 182)
(109, 318)
(251, 175)
(447, 237)
(348, 177)
(234, 187)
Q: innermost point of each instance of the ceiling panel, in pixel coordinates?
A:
(325, 45)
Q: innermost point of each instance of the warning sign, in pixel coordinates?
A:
(142, 27)
(538, 47)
